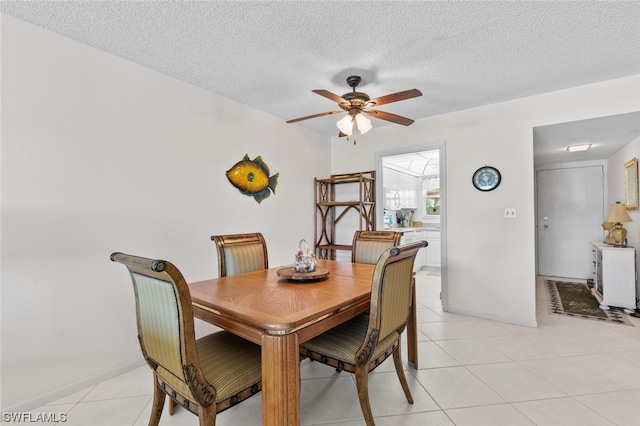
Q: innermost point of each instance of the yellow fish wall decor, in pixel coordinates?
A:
(251, 177)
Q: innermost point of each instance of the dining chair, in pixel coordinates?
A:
(207, 375)
(364, 342)
(369, 245)
(239, 253)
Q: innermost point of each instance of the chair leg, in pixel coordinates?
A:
(362, 383)
(397, 362)
(172, 406)
(158, 405)
(207, 415)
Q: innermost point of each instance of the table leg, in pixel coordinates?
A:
(280, 380)
(412, 330)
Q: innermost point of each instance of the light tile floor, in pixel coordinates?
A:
(472, 371)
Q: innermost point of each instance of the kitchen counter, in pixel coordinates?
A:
(429, 256)
(414, 228)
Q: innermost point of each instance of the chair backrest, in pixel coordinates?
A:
(391, 292)
(165, 324)
(369, 245)
(239, 253)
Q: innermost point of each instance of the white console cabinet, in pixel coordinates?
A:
(615, 275)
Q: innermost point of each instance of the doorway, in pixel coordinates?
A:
(605, 136)
(427, 205)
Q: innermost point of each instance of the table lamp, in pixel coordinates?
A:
(618, 216)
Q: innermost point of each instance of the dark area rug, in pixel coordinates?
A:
(576, 300)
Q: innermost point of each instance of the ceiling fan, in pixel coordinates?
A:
(356, 104)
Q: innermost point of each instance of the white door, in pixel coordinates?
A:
(570, 210)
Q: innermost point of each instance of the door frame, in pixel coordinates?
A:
(441, 147)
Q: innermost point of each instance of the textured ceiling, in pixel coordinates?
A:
(271, 54)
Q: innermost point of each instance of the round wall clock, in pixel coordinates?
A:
(486, 178)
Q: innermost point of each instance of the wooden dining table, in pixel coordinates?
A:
(278, 314)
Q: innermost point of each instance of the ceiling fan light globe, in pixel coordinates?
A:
(345, 125)
(363, 123)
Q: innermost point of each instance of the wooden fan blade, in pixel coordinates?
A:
(335, 98)
(398, 119)
(341, 135)
(322, 114)
(395, 97)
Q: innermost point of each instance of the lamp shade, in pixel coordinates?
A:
(350, 123)
(364, 124)
(618, 214)
(345, 125)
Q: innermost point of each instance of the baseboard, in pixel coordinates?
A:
(493, 317)
(71, 388)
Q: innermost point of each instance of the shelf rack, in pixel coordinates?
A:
(329, 211)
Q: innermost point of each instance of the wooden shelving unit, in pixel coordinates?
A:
(329, 211)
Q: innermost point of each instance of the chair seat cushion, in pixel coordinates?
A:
(230, 363)
(343, 341)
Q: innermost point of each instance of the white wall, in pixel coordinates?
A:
(102, 155)
(491, 260)
(615, 192)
